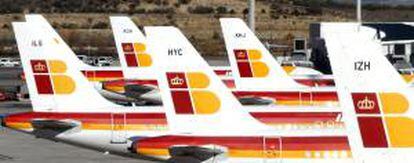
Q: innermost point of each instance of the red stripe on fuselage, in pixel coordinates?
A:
(97, 118)
(315, 96)
(249, 143)
(222, 72)
(103, 73)
(295, 117)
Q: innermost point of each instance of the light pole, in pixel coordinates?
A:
(250, 17)
(359, 16)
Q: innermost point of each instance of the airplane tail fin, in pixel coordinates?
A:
(46, 26)
(132, 48)
(52, 73)
(376, 100)
(252, 64)
(195, 98)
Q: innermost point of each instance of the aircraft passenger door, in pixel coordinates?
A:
(272, 149)
(118, 128)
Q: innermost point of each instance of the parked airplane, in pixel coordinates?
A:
(375, 98)
(135, 61)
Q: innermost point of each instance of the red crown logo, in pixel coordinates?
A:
(177, 81)
(241, 54)
(39, 67)
(366, 104)
(128, 47)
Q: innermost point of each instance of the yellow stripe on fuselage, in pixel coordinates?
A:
(100, 79)
(91, 126)
(19, 126)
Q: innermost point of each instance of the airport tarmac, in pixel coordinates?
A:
(16, 147)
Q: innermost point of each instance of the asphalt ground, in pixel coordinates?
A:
(16, 147)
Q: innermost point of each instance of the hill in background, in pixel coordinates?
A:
(84, 24)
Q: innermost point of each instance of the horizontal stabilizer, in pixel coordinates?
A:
(48, 128)
(137, 90)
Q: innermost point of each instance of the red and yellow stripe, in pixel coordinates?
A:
(103, 75)
(253, 147)
(92, 121)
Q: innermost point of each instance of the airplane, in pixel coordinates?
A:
(375, 98)
(136, 64)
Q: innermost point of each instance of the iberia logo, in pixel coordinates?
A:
(249, 64)
(135, 55)
(49, 77)
(190, 93)
(382, 121)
